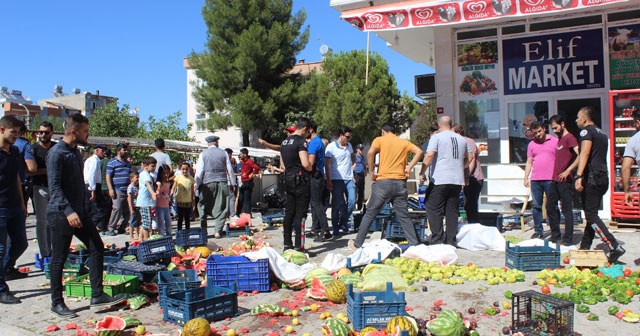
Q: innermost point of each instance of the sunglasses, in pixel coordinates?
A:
(44, 132)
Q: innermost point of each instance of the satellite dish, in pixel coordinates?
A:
(324, 49)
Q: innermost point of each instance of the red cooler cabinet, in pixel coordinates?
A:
(622, 104)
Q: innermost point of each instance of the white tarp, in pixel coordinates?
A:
(440, 253)
(477, 237)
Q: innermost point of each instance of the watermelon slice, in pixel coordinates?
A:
(110, 326)
(317, 291)
(150, 288)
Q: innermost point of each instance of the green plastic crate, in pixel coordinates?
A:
(77, 287)
(69, 270)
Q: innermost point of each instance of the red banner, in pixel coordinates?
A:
(487, 9)
(540, 6)
(431, 15)
(386, 19)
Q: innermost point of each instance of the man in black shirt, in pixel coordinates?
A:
(68, 216)
(297, 172)
(37, 167)
(592, 180)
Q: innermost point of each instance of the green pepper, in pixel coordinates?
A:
(593, 317)
(490, 311)
(582, 308)
(613, 310)
(508, 294)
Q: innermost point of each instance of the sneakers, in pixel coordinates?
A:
(112, 233)
(105, 300)
(328, 235)
(616, 254)
(13, 274)
(61, 310)
(536, 236)
(310, 234)
(7, 298)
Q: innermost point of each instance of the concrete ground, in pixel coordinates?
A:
(33, 316)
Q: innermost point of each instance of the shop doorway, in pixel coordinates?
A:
(568, 108)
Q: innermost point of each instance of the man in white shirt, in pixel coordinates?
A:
(92, 173)
(339, 160)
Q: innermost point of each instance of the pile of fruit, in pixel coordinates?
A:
(246, 244)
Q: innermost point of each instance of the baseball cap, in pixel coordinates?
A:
(291, 129)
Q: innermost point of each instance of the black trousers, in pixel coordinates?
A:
(563, 192)
(106, 204)
(359, 190)
(295, 208)
(96, 208)
(61, 236)
(184, 214)
(595, 186)
(443, 203)
(471, 195)
(317, 197)
(244, 200)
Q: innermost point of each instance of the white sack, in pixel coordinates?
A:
(476, 237)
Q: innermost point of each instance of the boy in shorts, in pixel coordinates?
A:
(146, 195)
(132, 197)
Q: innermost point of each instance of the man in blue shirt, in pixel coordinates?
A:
(320, 226)
(118, 170)
(360, 171)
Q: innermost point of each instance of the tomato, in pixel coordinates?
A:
(627, 272)
(629, 292)
(599, 274)
(545, 289)
(566, 261)
(637, 281)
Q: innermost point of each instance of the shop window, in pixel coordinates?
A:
(468, 35)
(481, 121)
(521, 115)
(623, 16)
(566, 23)
(513, 30)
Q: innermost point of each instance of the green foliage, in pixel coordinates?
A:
(57, 122)
(250, 45)
(425, 117)
(111, 121)
(338, 96)
(165, 128)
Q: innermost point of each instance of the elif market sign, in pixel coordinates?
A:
(556, 62)
(390, 17)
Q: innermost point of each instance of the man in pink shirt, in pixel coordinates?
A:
(538, 173)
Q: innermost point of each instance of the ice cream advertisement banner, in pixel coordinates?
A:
(624, 56)
(477, 70)
(389, 17)
(557, 62)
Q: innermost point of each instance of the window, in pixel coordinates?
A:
(481, 121)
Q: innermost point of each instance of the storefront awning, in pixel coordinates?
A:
(421, 13)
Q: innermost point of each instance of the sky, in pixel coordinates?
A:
(134, 50)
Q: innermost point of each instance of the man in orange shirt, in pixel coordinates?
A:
(390, 182)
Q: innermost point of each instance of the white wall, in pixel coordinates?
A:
(444, 71)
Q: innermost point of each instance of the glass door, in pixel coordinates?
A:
(568, 108)
(521, 115)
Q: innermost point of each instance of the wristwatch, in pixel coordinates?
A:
(577, 177)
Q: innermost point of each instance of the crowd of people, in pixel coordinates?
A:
(108, 196)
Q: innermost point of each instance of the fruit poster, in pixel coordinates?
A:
(477, 70)
(624, 56)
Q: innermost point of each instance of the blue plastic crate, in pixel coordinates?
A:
(78, 258)
(132, 250)
(237, 232)
(144, 272)
(374, 308)
(155, 249)
(248, 275)
(393, 230)
(191, 237)
(577, 217)
(212, 303)
(176, 281)
(532, 258)
(41, 262)
(378, 223)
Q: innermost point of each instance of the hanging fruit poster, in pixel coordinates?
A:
(477, 70)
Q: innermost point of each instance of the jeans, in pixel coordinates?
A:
(295, 209)
(342, 208)
(40, 200)
(538, 190)
(135, 219)
(10, 227)
(244, 200)
(443, 202)
(163, 217)
(382, 192)
(316, 200)
(359, 190)
(62, 234)
(563, 192)
(213, 202)
(595, 186)
(120, 212)
(471, 195)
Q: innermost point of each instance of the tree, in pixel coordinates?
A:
(57, 122)
(338, 96)
(251, 45)
(112, 121)
(165, 128)
(425, 117)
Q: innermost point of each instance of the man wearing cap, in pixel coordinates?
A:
(92, 172)
(37, 167)
(118, 170)
(160, 156)
(214, 179)
(360, 171)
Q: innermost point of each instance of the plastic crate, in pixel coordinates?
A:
(212, 303)
(237, 232)
(577, 217)
(155, 249)
(79, 288)
(378, 223)
(374, 308)
(176, 281)
(41, 262)
(246, 274)
(191, 237)
(393, 230)
(78, 258)
(533, 313)
(532, 258)
(132, 250)
(144, 272)
(68, 270)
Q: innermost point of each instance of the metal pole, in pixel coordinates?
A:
(366, 71)
(28, 115)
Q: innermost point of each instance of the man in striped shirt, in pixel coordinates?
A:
(118, 170)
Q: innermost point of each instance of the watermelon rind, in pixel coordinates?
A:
(110, 326)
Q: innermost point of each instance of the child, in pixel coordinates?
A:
(184, 189)
(132, 195)
(163, 202)
(146, 195)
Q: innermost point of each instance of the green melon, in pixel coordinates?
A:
(315, 272)
(399, 323)
(336, 327)
(296, 257)
(336, 291)
(448, 323)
